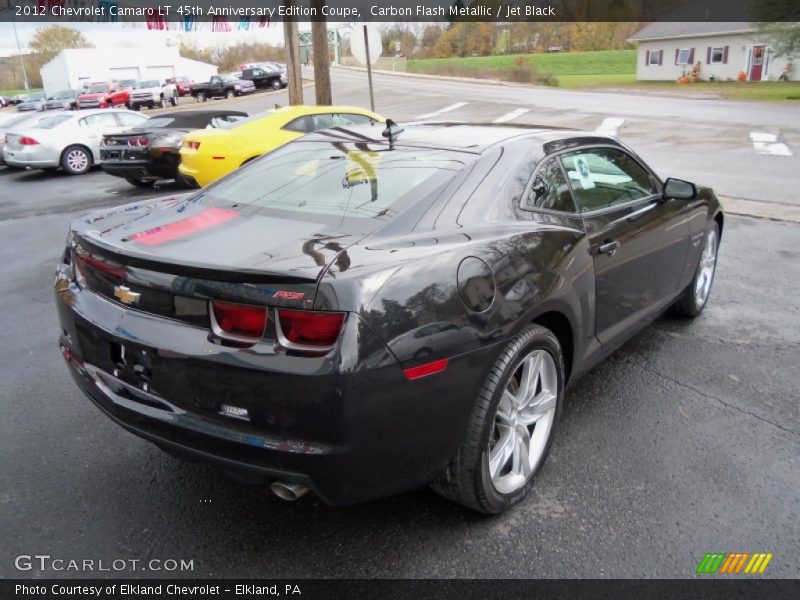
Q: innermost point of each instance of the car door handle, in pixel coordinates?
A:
(608, 247)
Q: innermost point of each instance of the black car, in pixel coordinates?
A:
(272, 77)
(151, 152)
(279, 322)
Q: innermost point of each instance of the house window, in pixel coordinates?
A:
(717, 55)
(655, 57)
(683, 56)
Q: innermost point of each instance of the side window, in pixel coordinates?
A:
(550, 189)
(604, 177)
(350, 119)
(101, 120)
(223, 121)
(323, 121)
(301, 125)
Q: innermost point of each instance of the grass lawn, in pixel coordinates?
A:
(571, 69)
(8, 93)
(774, 91)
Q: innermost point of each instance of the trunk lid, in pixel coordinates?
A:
(181, 236)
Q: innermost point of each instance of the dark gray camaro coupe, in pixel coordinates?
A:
(367, 310)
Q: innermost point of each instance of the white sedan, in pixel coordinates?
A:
(67, 140)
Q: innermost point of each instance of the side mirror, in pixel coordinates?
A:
(679, 189)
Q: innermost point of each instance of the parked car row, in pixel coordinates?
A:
(193, 147)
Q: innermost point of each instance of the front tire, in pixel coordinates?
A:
(162, 103)
(511, 427)
(201, 97)
(76, 160)
(695, 297)
(277, 85)
(174, 100)
(230, 94)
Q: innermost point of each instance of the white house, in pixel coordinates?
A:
(669, 50)
(76, 69)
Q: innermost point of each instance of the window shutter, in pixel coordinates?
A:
(691, 56)
(725, 55)
(660, 57)
(647, 59)
(708, 55)
(677, 52)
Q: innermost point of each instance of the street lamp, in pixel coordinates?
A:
(19, 51)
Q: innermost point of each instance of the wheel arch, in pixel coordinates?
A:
(719, 218)
(561, 326)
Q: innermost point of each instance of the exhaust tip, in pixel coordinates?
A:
(288, 491)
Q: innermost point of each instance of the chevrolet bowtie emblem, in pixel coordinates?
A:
(125, 295)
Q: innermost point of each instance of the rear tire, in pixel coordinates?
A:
(76, 160)
(511, 427)
(695, 297)
(174, 100)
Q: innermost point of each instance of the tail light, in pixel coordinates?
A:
(139, 141)
(240, 319)
(192, 145)
(27, 141)
(309, 330)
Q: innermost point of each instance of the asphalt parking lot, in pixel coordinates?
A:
(685, 441)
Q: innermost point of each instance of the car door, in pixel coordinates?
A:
(95, 126)
(638, 239)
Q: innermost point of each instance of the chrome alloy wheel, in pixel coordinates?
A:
(705, 271)
(77, 160)
(522, 423)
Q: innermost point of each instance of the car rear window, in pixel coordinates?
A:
(52, 122)
(338, 179)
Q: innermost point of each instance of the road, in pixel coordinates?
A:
(685, 441)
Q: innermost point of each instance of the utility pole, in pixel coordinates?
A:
(21, 59)
(322, 72)
(291, 40)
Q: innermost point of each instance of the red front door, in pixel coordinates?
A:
(757, 63)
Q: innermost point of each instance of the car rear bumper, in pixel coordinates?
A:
(40, 158)
(349, 431)
(201, 174)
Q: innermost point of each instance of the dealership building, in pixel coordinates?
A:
(77, 68)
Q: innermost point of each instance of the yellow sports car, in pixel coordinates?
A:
(209, 154)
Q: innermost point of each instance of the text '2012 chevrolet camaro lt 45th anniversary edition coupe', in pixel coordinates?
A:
(368, 309)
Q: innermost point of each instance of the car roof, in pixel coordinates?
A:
(467, 137)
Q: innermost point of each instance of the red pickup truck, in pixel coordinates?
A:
(182, 84)
(104, 95)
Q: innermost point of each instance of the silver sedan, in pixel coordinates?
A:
(11, 121)
(67, 140)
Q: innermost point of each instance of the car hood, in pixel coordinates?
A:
(237, 243)
(147, 90)
(93, 96)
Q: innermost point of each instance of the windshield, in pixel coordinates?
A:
(230, 79)
(98, 89)
(159, 122)
(63, 95)
(51, 122)
(128, 83)
(338, 179)
(36, 96)
(150, 84)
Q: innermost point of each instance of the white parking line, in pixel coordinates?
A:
(610, 126)
(514, 114)
(767, 143)
(446, 109)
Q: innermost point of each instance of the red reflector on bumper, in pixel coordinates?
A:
(430, 368)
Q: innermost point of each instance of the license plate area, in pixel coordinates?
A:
(131, 364)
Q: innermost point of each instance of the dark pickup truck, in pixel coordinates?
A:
(222, 86)
(264, 77)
